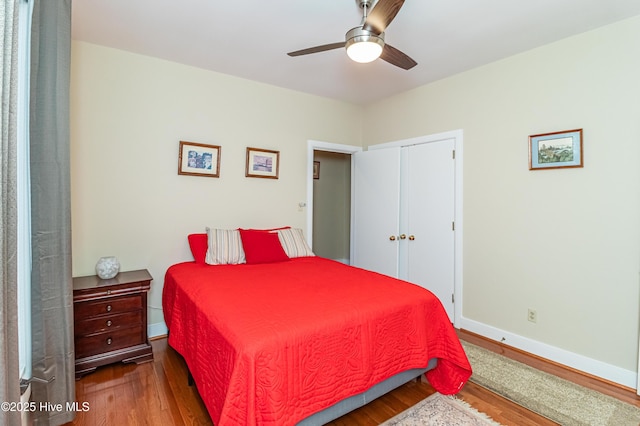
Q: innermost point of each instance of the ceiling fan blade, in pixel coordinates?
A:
(381, 15)
(317, 49)
(397, 58)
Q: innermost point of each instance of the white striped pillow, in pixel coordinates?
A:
(293, 243)
(225, 247)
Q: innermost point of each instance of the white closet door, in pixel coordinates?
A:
(376, 210)
(427, 221)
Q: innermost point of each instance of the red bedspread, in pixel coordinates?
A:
(271, 344)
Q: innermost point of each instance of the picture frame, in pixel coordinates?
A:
(557, 150)
(199, 159)
(262, 163)
(316, 170)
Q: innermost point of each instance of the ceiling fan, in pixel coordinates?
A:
(365, 43)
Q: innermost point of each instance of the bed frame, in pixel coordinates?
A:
(354, 402)
(347, 405)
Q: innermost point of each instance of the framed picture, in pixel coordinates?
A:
(262, 163)
(556, 150)
(198, 159)
(316, 170)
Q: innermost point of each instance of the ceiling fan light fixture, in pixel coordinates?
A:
(364, 46)
(365, 43)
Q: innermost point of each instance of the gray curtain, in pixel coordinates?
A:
(51, 284)
(9, 375)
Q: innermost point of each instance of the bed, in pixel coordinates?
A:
(305, 339)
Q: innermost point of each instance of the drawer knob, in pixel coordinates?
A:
(109, 323)
(109, 341)
(109, 308)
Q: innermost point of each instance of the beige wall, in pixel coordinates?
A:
(563, 242)
(332, 206)
(129, 113)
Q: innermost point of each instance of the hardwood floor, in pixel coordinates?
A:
(157, 393)
(153, 393)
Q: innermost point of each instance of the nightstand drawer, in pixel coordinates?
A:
(86, 326)
(109, 341)
(113, 305)
(110, 320)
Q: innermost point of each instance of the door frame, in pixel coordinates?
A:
(457, 136)
(313, 145)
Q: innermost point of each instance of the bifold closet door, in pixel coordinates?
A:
(376, 210)
(404, 209)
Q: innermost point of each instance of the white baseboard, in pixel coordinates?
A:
(579, 362)
(157, 329)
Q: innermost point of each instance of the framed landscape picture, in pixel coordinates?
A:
(556, 150)
(198, 159)
(262, 163)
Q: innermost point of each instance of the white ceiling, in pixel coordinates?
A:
(250, 38)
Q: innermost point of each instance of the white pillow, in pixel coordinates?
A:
(225, 247)
(293, 242)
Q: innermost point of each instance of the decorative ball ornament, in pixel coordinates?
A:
(107, 267)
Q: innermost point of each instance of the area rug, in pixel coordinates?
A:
(441, 410)
(559, 400)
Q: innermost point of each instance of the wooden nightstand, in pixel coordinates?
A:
(110, 318)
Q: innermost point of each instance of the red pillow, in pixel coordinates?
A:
(262, 246)
(198, 243)
(266, 230)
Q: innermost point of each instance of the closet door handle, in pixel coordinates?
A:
(412, 237)
(392, 238)
(403, 236)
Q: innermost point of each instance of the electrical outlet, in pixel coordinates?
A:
(532, 315)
